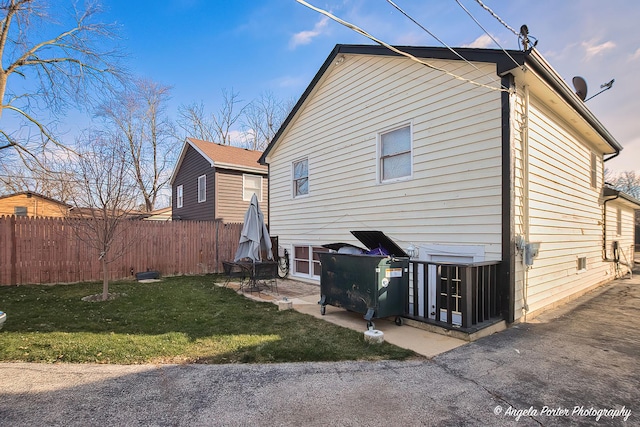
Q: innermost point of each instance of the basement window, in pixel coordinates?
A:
(306, 261)
(582, 264)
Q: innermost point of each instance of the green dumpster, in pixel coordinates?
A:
(372, 284)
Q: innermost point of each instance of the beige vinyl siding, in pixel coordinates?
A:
(625, 239)
(230, 207)
(454, 196)
(36, 206)
(565, 214)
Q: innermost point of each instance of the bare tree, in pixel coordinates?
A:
(136, 118)
(104, 202)
(49, 176)
(628, 182)
(195, 122)
(215, 127)
(261, 120)
(55, 72)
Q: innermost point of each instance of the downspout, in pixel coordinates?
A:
(525, 199)
(616, 154)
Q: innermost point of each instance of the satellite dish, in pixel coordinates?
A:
(581, 87)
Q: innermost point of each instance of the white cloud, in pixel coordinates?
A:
(306, 37)
(635, 55)
(290, 81)
(592, 49)
(481, 42)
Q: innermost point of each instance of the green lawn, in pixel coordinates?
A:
(177, 320)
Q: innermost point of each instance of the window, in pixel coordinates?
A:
(179, 196)
(251, 184)
(202, 188)
(306, 261)
(300, 177)
(618, 222)
(20, 211)
(582, 263)
(395, 154)
(594, 170)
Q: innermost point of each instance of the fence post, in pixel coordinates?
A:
(12, 251)
(217, 270)
(467, 297)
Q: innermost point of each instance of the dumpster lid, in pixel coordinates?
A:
(373, 239)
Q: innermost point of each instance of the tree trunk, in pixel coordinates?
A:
(105, 280)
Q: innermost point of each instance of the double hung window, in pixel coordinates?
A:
(300, 177)
(202, 188)
(395, 155)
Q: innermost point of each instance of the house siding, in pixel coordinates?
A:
(36, 206)
(193, 166)
(454, 195)
(230, 206)
(626, 238)
(564, 214)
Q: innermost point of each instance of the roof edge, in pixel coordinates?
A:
(537, 61)
(608, 192)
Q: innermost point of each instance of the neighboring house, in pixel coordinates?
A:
(163, 214)
(214, 181)
(29, 204)
(459, 171)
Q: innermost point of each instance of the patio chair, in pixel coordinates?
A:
(234, 271)
(266, 273)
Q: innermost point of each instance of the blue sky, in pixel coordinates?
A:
(200, 47)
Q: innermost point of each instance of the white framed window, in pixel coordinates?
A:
(202, 188)
(395, 154)
(251, 184)
(300, 177)
(618, 222)
(179, 196)
(582, 264)
(306, 261)
(20, 211)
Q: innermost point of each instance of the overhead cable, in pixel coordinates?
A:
(486, 32)
(498, 18)
(433, 35)
(394, 49)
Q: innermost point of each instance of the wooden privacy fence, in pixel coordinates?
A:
(53, 250)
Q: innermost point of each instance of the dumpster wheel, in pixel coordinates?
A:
(399, 321)
(370, 325)
(323, 310)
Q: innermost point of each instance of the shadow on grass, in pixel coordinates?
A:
(180, 319)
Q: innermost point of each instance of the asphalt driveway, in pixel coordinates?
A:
(577, 365)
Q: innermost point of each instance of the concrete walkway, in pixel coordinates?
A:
(304, 298)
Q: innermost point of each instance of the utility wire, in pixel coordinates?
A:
(521, 36)
(498, 18)
(434, 36)
(492, 38)
(394, 49)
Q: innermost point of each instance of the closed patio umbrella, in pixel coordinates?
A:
(255, 235)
